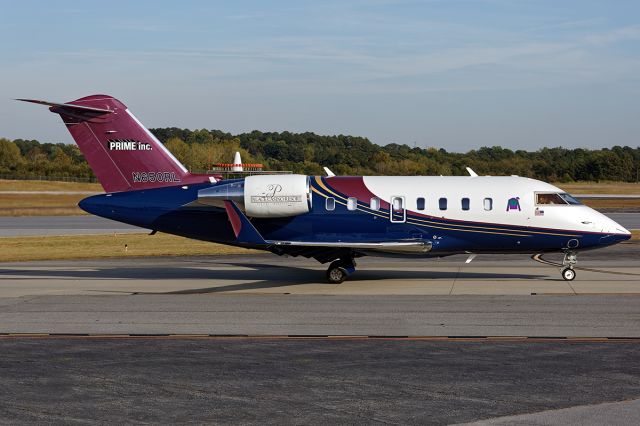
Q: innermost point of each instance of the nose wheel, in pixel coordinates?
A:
(568, 274)
(339, 270)
(569, 261)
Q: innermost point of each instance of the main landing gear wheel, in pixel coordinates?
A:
(339, 270)
(336, 274)
(568, 274)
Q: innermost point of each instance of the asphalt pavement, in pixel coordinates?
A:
(313, 381)
(61, 225)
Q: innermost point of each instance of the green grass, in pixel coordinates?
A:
(40, 204)
(13, 249)
(600, 187)
(43, 185)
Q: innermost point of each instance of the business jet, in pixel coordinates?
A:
(333, 219)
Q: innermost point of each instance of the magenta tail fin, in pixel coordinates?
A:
(123, 154)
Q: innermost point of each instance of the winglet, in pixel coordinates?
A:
(243, 229)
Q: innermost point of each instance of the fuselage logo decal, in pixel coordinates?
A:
(514, 204)
(155, 177)
(128, 145)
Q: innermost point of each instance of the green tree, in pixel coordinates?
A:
(10, 157)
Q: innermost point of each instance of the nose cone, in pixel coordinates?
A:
(623, 233)
(610, 226)
(615, 232)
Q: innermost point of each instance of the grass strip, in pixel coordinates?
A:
(14, 249)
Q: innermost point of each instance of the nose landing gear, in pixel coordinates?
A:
(570, 259)
(340, 269)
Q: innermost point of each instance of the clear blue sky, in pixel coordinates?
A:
(445, 73)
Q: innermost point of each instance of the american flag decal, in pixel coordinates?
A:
(539, 212)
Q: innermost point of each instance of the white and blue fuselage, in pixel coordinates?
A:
(340, 218)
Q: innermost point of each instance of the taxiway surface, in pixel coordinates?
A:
(269, 295)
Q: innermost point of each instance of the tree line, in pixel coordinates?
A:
(307, 153)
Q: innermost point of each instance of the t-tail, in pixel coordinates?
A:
(123, 154)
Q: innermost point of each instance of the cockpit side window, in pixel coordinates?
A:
(555, 198)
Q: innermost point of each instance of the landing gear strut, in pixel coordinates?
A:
(570, 259)
(340, 269)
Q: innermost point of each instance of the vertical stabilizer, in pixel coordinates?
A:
(123, 154)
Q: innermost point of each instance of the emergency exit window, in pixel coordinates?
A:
(330, 204)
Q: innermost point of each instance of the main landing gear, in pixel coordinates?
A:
(340, 269)
(570, 259)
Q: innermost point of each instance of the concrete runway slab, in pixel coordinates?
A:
(615, 270)
(269, 295)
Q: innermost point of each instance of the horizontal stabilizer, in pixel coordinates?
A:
(72, 107)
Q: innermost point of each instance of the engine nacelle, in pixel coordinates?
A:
(277, 195)
(262, 195)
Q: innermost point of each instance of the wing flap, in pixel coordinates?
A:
(407, 246)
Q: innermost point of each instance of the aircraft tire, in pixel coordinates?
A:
(568, 274)
(336, 274)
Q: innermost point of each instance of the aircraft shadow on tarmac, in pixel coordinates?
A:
(259, 276)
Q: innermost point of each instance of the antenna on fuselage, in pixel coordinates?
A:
(471, 172)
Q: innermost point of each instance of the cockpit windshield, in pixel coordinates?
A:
(555, 198)
(569, 199)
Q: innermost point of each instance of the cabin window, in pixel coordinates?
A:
(420, 203)
(352, 203)
(374, 204)
(488, 204)
(465, 203)
(397, 204)
(330, 204)
(442, 203)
